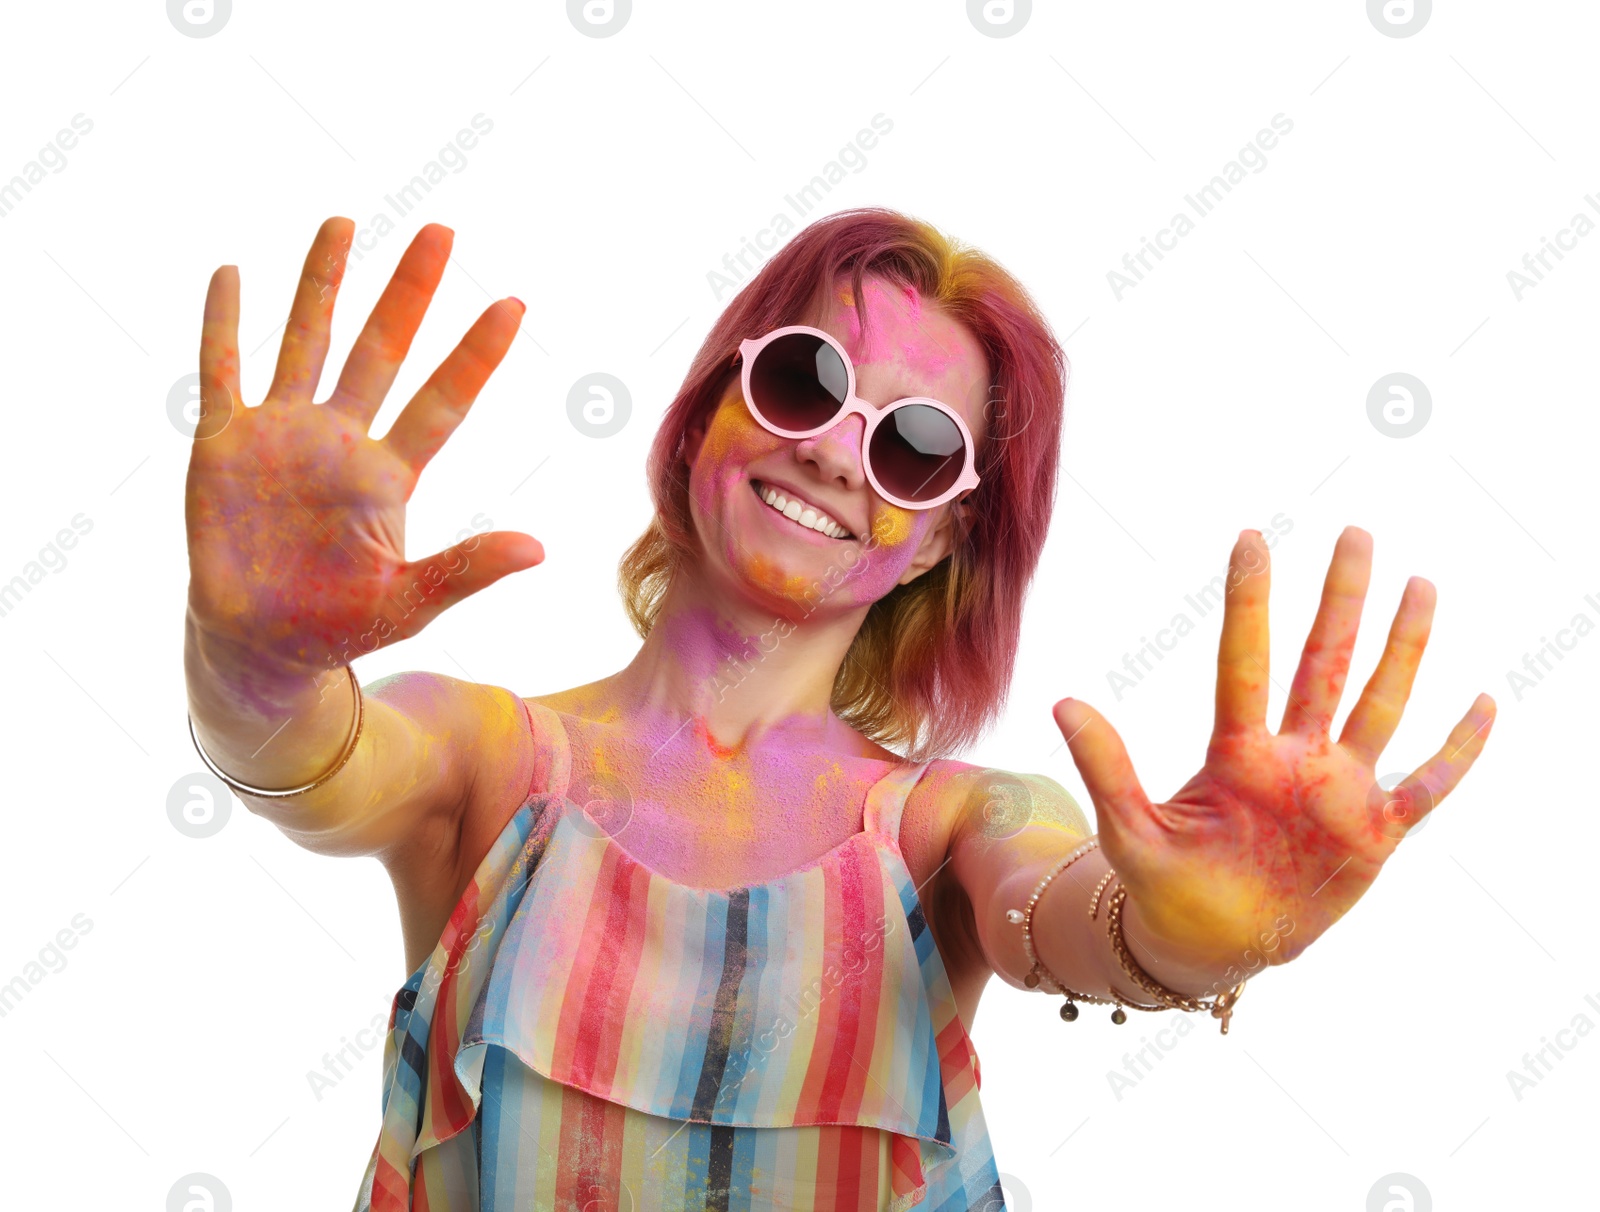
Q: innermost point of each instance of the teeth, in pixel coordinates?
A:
(806, 515)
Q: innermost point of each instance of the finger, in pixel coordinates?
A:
(1423, 789)
(1377, 712)
(1325, 660)
(1242, 664)
(429, 587)
(376, 356)
(435, 411)
(1121, 806)
(305, 335)
(219, 353)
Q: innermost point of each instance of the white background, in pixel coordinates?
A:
(1226, 388)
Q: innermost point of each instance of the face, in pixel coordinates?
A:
(910, 348)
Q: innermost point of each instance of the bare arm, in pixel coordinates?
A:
(1012, 831)
(296, 529)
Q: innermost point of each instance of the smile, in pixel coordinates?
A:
(800, 512)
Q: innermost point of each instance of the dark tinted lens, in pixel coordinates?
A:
(798, 382)
(917, 452)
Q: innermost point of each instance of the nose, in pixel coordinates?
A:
(836, 452)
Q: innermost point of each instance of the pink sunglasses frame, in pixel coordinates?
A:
(966, 481)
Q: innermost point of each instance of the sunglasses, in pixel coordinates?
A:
(798, 382)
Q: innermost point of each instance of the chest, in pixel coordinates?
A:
(728, 823)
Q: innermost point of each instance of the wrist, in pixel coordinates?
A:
(264, 720)
(232, 667)
(1181, 966)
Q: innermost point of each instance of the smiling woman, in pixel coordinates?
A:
(677, 940)
(936, 653)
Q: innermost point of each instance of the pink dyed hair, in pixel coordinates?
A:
(930, 668)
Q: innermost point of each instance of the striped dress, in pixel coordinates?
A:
(589, 1036)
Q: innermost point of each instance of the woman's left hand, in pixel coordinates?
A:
(1279, 834)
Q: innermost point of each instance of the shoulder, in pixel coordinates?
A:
(958, 819)
(460, 710)
(591, 700)
(955, 797)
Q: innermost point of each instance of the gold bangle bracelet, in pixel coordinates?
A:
(266, 793)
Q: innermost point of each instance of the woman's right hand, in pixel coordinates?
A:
(295, 516)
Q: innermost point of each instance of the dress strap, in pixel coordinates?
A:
(886, 799)
(552, 767)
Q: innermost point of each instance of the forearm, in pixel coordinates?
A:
(276, 727)
(265, 722)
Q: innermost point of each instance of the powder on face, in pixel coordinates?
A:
(910, 347)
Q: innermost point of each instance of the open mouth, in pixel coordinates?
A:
(799, 512)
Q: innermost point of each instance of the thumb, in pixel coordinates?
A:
(433, 585)
(1120, 804)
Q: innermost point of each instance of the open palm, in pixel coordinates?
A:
(1279, 833)
(295, 516)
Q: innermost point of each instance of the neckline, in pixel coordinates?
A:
(570, 806)
(560, 758)
(564, 741)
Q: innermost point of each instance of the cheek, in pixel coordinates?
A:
(896, 533)
(733, 440)
(894, 526)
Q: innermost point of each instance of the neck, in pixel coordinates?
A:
(738, 672)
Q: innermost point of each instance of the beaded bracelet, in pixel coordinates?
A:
(1221, 1006)
(1038, 974)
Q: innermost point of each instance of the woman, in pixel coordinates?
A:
(711, 932)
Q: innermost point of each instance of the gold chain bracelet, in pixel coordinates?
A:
(1221, 1006)
(1039, 974)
